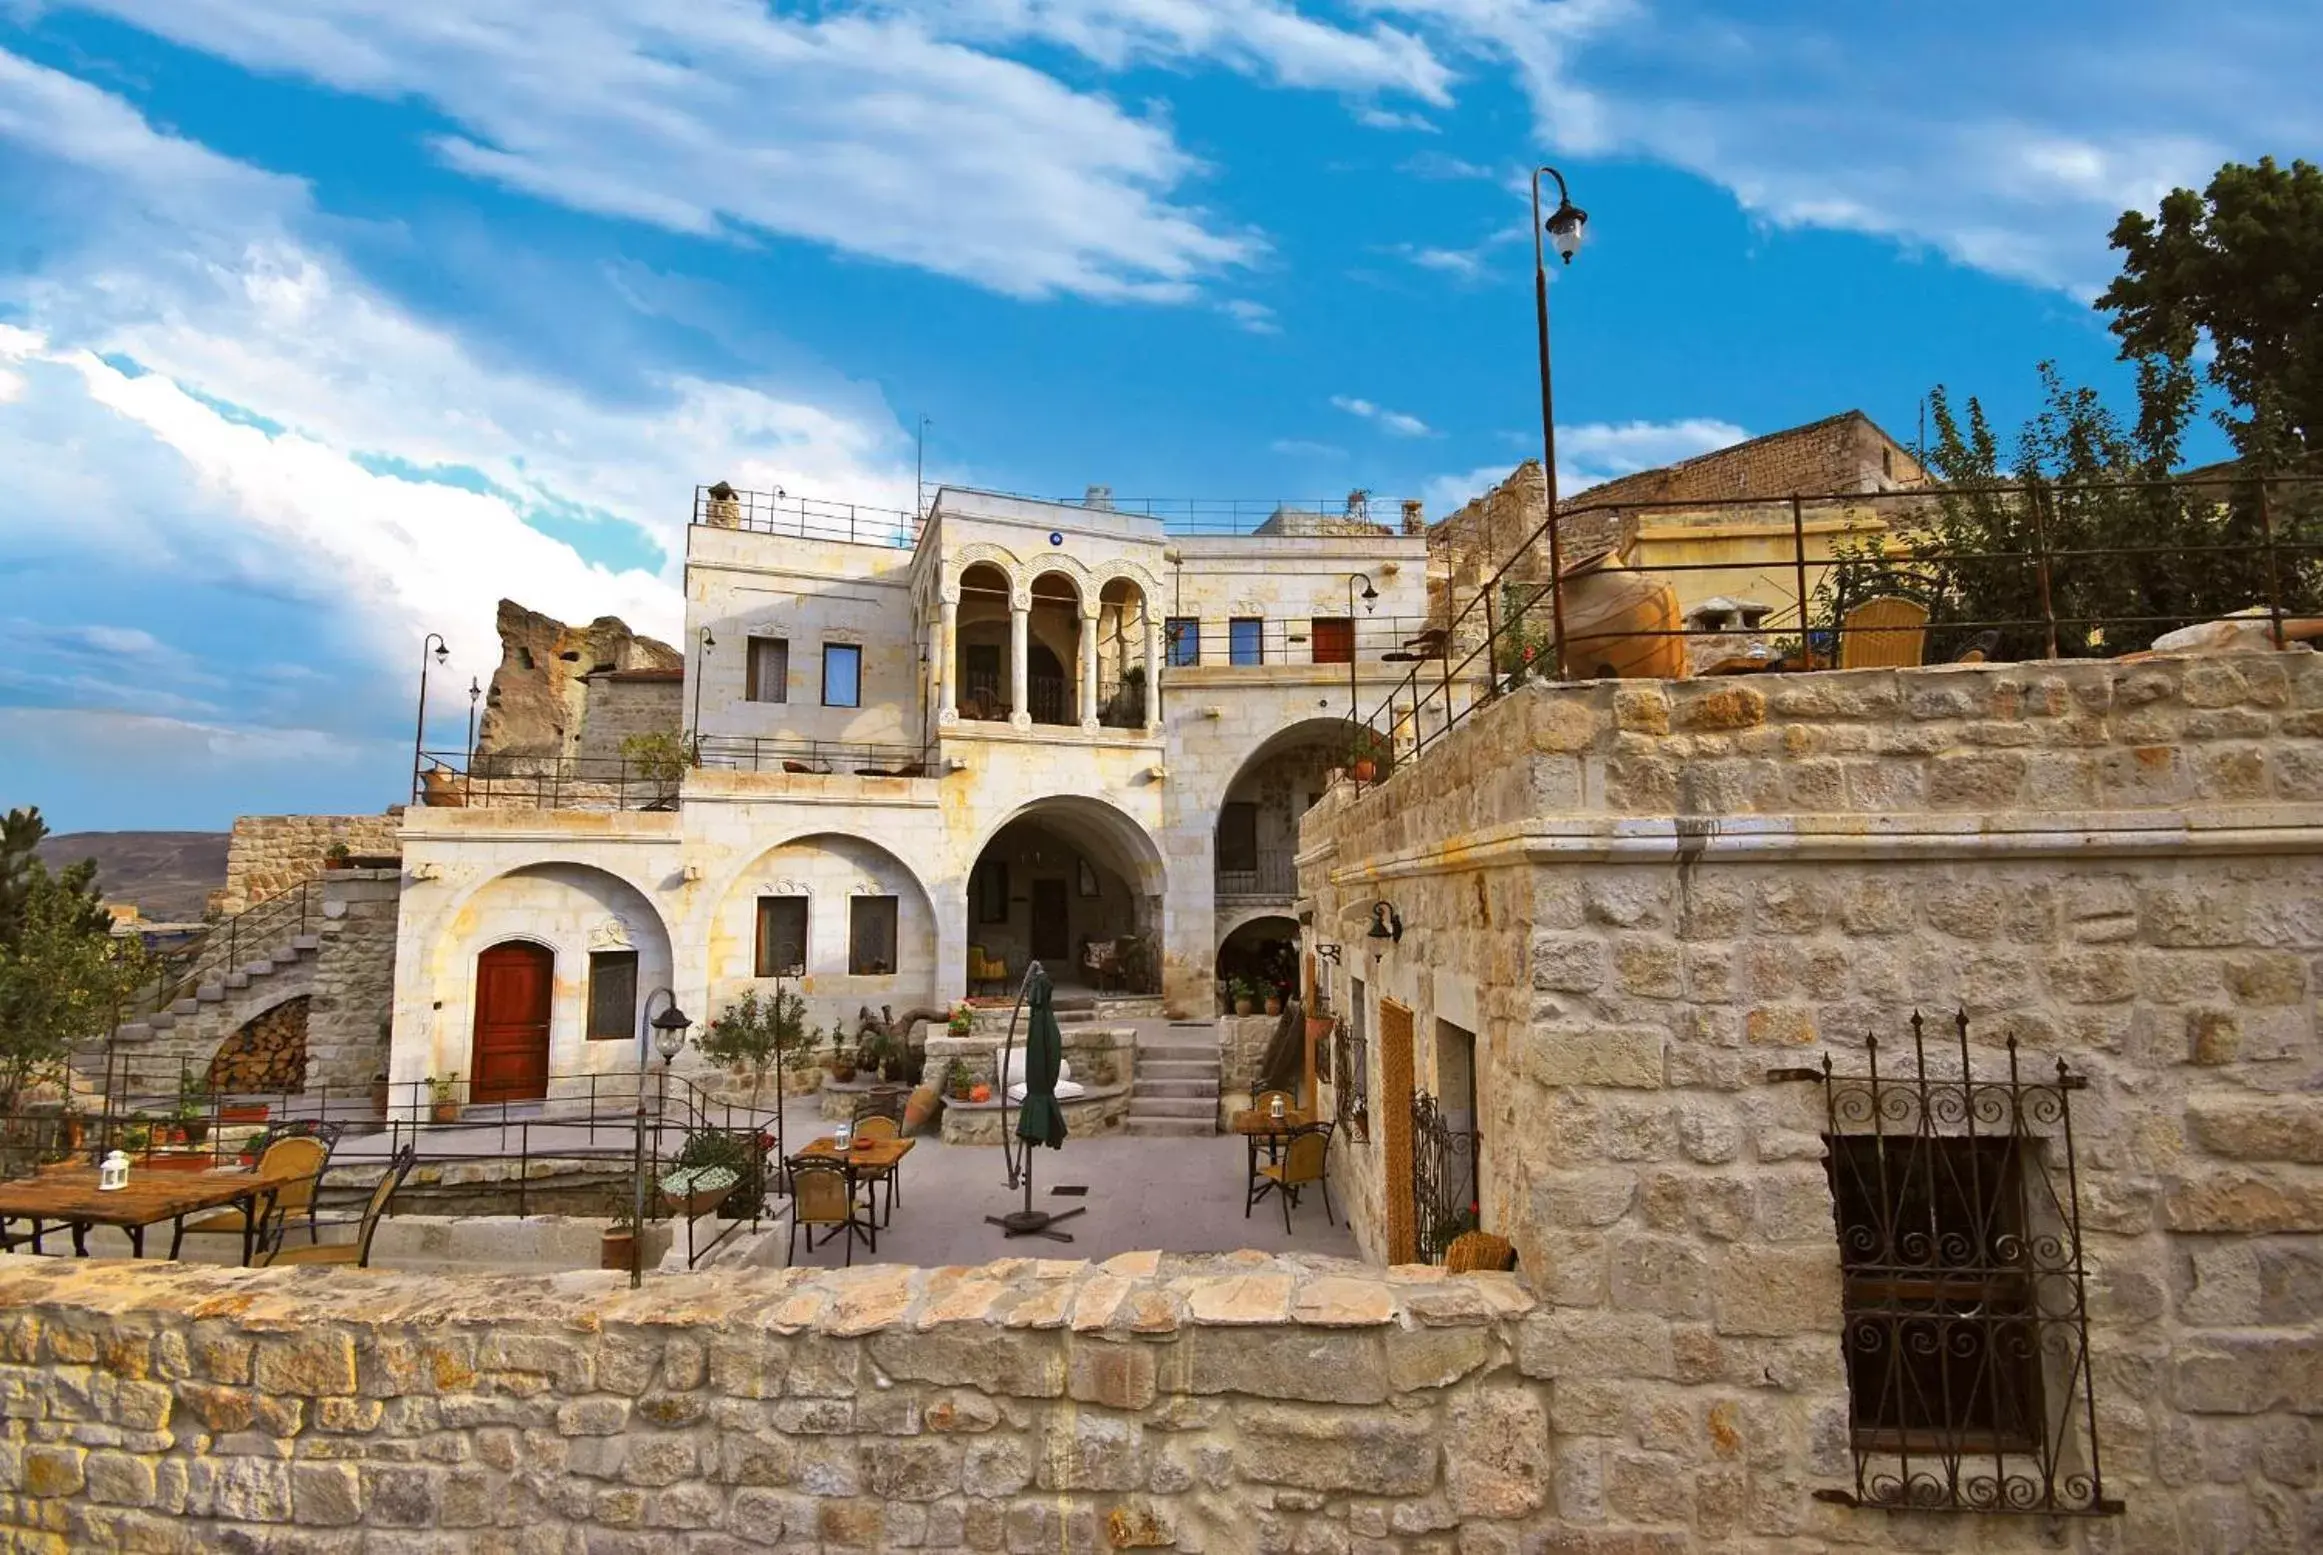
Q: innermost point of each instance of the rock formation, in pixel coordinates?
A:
(538, 699)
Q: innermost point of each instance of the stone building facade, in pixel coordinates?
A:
(919, 739)
(1636, 919)
(267, 855)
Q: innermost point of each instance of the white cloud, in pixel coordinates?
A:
(1387, 119)
(1254, 317)
(1592, 453)
(1302, 448)
(152, 341)
(1394, 421)
(865, 132)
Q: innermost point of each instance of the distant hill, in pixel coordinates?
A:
(168, 874)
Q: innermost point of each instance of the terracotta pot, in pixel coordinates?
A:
(1615, 620)
(1274, 1006)
(616, 1249)
(1363, 769)
(179, 1161)
(920, 1110)
(445, 1112)
(248, 1112)
(843, 1073)
(1242, 1006)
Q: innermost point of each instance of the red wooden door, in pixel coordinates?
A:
(512, 999)
(1334, 639)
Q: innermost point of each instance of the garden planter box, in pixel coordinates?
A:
(696, 1190)
(252, 1112)
(178, 1161)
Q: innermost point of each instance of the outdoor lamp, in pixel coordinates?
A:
(1370, 594)
(1565, 229)
(669, 1032)
(1386, 923)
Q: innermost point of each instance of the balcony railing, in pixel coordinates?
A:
(743, 753)
(1356, 515)
(451, 780)
(805, 518)
(1270, 873)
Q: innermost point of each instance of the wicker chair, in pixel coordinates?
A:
(822, 1194)
(1472, 1251)
(357, 1252)
(983, 969)
(1885, 633)
(295, 1198)
(1303, 1163)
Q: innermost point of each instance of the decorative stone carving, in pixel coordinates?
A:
(612, 934)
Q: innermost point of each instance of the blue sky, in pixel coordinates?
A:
(326, 323)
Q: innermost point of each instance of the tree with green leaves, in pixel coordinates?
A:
(63, 974)
(2239, 268)
(753, 1035)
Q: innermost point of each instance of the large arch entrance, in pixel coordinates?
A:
(1257, 830)
(1071, 883)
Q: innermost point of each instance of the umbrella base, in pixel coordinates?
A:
(1033, 1222)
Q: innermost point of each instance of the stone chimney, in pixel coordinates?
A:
(1415, 518)
(724, 510)
(1099, 497)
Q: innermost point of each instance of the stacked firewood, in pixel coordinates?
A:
(269, 1053)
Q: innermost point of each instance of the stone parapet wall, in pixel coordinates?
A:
(268, 854)
(354, 1004)
(1231, 1404)
(1641, 901)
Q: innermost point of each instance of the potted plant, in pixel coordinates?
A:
(963, 1020)
(1364, 755)
(958, 1081)
(661, 760)
(841, 1062)
(444, 1097)
(1274, 998)
(1239, 990)
(617, 1247)
(754, 1036)
(338, 856)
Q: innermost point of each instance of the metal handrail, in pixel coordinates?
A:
(1423, 707)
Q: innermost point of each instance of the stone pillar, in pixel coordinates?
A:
(1019, 631)
(947, 661)
(1088, 669)
(1152, 668)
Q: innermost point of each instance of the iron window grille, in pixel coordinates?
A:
(1351, 1091)
(612, 995)
(782, 937)
(1965, 1291)
(1443, 1178)
(871, 936)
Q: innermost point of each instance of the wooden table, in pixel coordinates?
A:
(70, 1195)
(871, 1156)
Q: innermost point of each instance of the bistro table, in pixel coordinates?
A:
(70, 1195)
(1257, 1123)
(861, 1157)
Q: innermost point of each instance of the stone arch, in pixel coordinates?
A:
(984, 551)
(1039, 862)
(830, 869)
(266, 1053)
(573, 909)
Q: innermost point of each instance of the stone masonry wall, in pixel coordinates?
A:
(354, 1002)
(268, 854)
(1641, 899)
(1223, 1405)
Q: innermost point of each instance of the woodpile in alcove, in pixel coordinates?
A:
(269, 1052)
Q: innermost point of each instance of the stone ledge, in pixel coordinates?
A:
(1150, 1294)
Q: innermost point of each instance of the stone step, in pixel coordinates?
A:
(1173, 1128)
(1141, 1106)
(1176, 1068)
(208, 993)
(161, 1020)
(1145, 1088)
(134, 1031)
(237, 979)
(306, 944)
(1177, 1053)
(262, 967)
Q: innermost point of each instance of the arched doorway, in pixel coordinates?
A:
(1052, 643)
(1257, 830)
(1121, 645)
(509, 1059)
(981, 638)
(1057, 878)
(1262, 953)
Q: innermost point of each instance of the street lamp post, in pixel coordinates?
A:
(701, 672)
(419, 728)
(1370, 595)
(669, 1034)
(1564, 234)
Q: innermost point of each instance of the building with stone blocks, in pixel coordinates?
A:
(926, 751)
(267, 855)
(1728, 510)
(1637, 919)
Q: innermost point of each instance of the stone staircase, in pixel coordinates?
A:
(219, 988)
(1175, 1090)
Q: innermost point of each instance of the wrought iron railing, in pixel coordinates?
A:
(1444, 1202)
(1970, 1383)
(1257, 642)
(1350, 1082)
(451, 779)
(1049, 697)
(2244, 544)
(790, 754)
(806, 518)
(1357, 515)
(1272, 872)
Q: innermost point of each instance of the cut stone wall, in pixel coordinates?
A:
(354, 1002)
(268, 854)
(619, 704)
(1643, 899)
(1234, 1404)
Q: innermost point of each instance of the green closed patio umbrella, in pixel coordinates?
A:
(1041, 1121)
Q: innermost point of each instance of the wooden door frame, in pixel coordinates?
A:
(1397, 1086)
(548, 955)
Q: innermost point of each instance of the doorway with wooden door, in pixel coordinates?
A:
(1052, 929)
(510, 1061)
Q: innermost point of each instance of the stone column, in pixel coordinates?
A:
(947, 661)
(1088, 670)
(1152, 668)
(1019, 631)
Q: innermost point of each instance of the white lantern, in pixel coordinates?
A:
(1278, 1108)
(844, 1135)
(114, 1172)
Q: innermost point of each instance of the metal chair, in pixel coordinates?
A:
(822, 1193)
(357, 1252)
(1303, 1163)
